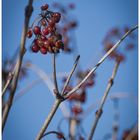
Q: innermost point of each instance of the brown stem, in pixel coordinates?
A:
(28, 12)
(99, 111)
(71, 73)
(56, 91)
(101, 60)
(48, 120)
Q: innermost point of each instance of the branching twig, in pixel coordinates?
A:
(61, 98)
(99, 111)
(58, 101)
(101, 61)
(28, 12)
(70, 75)
(55, 132)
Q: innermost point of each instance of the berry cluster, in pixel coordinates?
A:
(47, 39)
(112, 36)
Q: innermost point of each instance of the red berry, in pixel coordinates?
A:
(45, 31)
(56, 17)
(44, 7)
(38, 42)
(29, 33)
(36, 30)
(43, 50)
(35, 48)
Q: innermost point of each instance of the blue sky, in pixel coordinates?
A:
(95, 19)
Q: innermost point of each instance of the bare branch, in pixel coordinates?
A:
(99, 111)
(28, 12)
(71, 73)
(48, 120)
(55, 132)
(102, 60)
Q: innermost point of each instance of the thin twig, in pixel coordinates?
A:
(55, 132)
(118, 96)
(60, 100)
(45, 77)
(48, 120)
(101, 61)
(9, 79)
(28, 12)
(70, 75)
(99, 111)
(56, 91)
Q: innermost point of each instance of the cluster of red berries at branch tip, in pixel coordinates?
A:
(47, 38)
(67, 25)
(113, 35)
